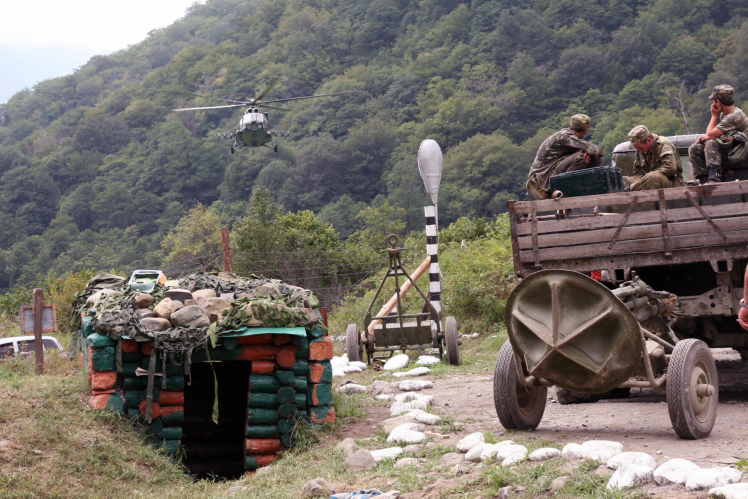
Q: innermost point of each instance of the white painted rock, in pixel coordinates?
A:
(489, 452)
(474, 454)
(398, 408)
(408, 461)
(418, 371)
(388, 453)
(601, 450)
(406, 436)
(396, 362)
(384, 397)
(405, 426)
(625, 458)
(406, 397)
(470, 441)
(674, 471)
(630, 475)
(414, 385)
(337, 372)
(572, 451)
(514, 458)
(731, 491)
(339, 361)
(427, 360)
(703, 479)
(349, 369)
(424, 417)
(507, 450)
(357, 363)
(352, 388)
(544, 454)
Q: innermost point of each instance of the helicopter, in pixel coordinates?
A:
(254, 129)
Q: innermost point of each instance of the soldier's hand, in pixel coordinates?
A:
(743, 318)
(716, 108)
(587, 158)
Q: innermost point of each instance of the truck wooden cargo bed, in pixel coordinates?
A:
(620, 231)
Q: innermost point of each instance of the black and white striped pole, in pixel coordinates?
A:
(430, 162)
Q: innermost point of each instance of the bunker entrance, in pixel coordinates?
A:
(216, 449)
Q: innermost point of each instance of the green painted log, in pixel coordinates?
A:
(116, 404)
(153, 440)
(171, 447)
(230, 343)
(264, 383)
(97, 340)
(286, 411)
(128, 370)
(171, 369)
(322, 414)
(262, 416)
(300, 401)
(317, 332)
(319, 394)
(303, 343)
(171, 433)
(176, 418)
(286, 395)
(287, 378)
(102, 359)
(173, 383)
(287, 440)
(155, 427)
(135, 383)
(262, 431)
(87, 324)
(133, 413)
(135, 396)
(301, 368)
(286, 425)
(320, 372)
(132, 357)
(263, 400)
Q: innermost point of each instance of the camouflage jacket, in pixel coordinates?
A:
(555, 148)
(662, 158)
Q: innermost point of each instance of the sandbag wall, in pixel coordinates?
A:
(290, 378)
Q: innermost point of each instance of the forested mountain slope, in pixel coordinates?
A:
(96, 169)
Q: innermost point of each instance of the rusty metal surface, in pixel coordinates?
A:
(573, 332)
(717, 301)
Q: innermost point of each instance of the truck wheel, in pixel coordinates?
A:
(692, 389)
(517, 407)
(452, 341)
(353, 342)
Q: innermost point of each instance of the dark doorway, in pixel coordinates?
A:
(216, 450)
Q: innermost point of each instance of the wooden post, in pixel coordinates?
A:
(387, 307)
(38, 308)
(228, 264)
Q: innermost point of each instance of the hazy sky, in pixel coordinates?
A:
(47, 38)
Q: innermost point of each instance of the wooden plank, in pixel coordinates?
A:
(636, 246)
(636, 218)
(709, 190)
(636, 232)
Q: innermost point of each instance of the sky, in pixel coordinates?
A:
(51, 38)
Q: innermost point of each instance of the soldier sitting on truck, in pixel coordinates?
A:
(564, 151)
(712, 152)
(657, 164)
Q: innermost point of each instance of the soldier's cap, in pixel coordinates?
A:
(580, 121)
(638, 134)
(722, 92)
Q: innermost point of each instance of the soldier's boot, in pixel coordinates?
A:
(715, 176)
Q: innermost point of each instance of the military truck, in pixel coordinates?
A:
(689, 241)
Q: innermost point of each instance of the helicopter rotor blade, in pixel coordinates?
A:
(273, 107)
(306, 97)
(203, 96)
(208, 107)
(267, 89)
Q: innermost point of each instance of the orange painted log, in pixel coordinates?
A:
(130, 346)
(171, 398)
(281, 339)
(155, 409)
(169, 410)
(98, 402)
(147, 348)
(285, 359)
(321, 350)
(82, 359)
(324, 414)
(257, 339)
(263, 445)
(263, 367)
(89, 367)
(103, 380)
(102, 392)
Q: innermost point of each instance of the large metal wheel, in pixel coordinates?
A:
(692, 389)
(452, 340)
(517, 407)
(353, 342)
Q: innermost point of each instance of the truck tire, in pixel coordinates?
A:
(452, 341)
(692, 389)
(517, 407)
(353, 342)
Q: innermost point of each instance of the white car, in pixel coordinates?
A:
(17, 344)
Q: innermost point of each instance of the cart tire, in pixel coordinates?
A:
(353, 342)
(517, 408)
(692, 364)
(452, 341)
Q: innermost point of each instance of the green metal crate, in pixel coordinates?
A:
(597, 180)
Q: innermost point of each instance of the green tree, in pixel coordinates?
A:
(195, 243)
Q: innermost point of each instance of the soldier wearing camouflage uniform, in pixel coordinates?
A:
(564, 151)
(709, 153)
(657, 164)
